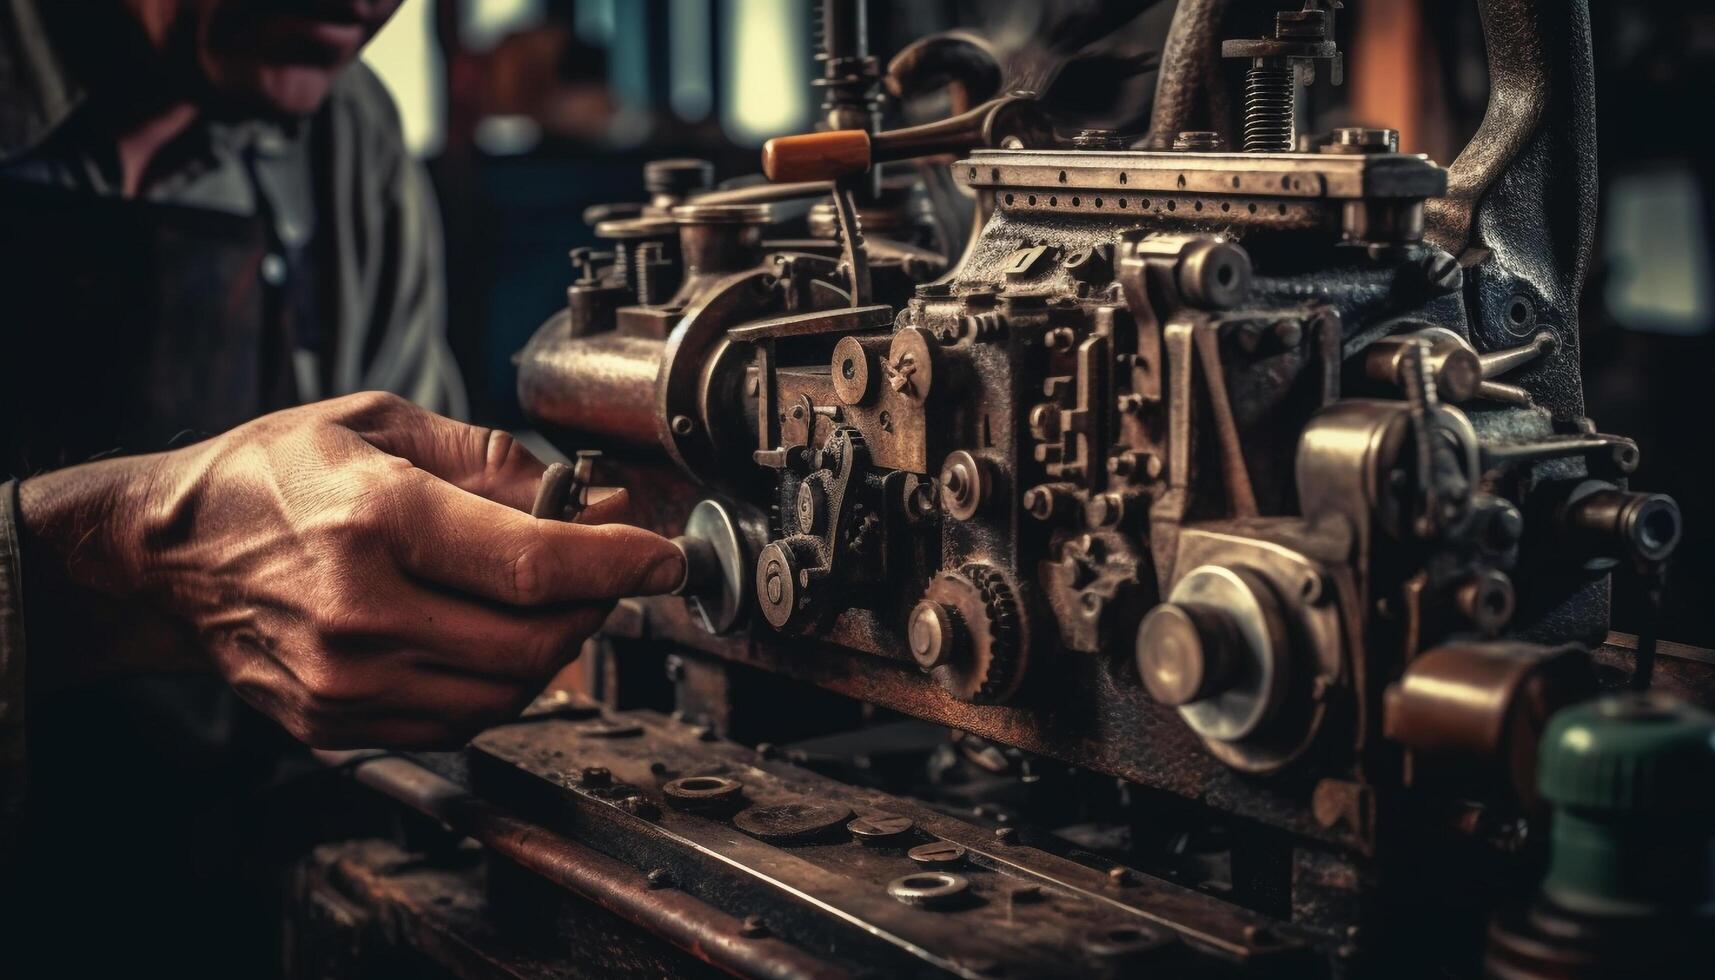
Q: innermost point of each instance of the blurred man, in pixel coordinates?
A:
(208, 215)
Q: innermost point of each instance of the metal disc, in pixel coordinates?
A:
(718, 609)
(794, 820)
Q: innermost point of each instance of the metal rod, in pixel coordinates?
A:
(705, 932)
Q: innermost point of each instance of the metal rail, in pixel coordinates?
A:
(699, 929)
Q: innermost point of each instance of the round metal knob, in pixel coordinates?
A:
(933, 634)
(1217, 650)
(1184, 654)
(964, 485)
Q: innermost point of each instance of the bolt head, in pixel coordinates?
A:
(931, 634)
(1039, 503)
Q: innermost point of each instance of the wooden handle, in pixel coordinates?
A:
(816, 156)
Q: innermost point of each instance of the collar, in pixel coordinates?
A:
(38, 91)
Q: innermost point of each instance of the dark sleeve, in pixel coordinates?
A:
(12, 769)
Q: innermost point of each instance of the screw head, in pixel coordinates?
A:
(682, 425)
(660, 878)
(879, 828)
(934, 853)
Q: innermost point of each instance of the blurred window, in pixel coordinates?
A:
(690, 88)
(767, 89)
(1655, 241)
(486, 22)
(408, 59)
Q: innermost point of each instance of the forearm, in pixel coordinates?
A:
(81, 532)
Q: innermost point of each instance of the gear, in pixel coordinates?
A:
(990, 661)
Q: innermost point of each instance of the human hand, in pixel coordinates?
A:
(360, 569)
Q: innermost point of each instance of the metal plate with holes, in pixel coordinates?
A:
(874, 908)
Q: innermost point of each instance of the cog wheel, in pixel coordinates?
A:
(989, 662)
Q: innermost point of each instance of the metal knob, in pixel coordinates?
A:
(933, 634)
(1185, 653)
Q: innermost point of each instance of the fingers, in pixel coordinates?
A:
(612, 508)
(487, 462)
(446, 536)
(477, 639)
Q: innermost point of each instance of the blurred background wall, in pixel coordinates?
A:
(529, 111)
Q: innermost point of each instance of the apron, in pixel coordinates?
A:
(125, 327)
(124, 324)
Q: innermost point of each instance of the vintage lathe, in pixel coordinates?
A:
(1171, 554)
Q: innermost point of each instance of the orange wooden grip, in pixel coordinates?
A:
(816, 156)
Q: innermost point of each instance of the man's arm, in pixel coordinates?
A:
(359, 569)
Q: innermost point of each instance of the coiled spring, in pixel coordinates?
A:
(1269, 126)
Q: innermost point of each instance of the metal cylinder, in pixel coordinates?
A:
(603, 385)
(1618, 524)
(720, 238)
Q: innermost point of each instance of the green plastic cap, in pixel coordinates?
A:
(1630, 753)
(1632, 781)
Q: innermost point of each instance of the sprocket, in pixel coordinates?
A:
(991, 661)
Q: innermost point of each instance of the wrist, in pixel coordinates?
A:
(84, 533)
(88, 523)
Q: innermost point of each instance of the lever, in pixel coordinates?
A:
(847, 152)
(565, 488)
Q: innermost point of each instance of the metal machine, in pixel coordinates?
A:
(1228, 487)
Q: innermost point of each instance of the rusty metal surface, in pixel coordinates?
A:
(707, 933)
(367, 908)
(836, 887)
(603, 384)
